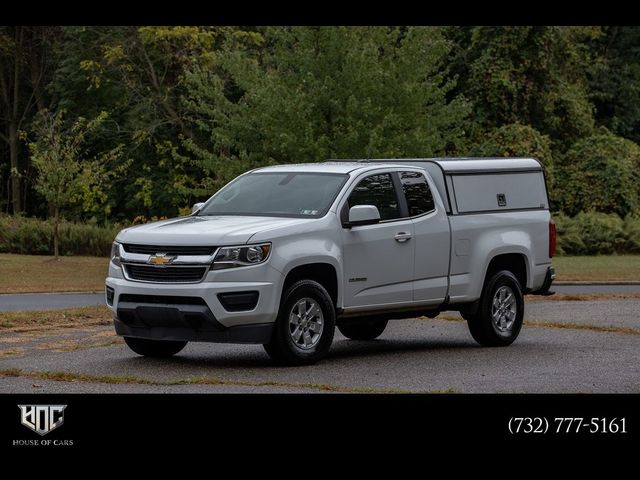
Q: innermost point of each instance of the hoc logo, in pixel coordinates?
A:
(42, 418)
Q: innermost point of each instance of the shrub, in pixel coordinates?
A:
(568, 236)
(600, 173)
(601, 233)
(33, 236)
(632, 233)
(592, 233)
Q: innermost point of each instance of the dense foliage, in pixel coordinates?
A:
(182, 110)
(597, 233)
(19, 234)
(600, 173)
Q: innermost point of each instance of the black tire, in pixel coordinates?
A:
(154, 348)
(283, 348)
(363, 330)
(484, 329)
(467, 316)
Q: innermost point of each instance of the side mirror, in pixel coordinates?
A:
(196, 207)
(363, 215)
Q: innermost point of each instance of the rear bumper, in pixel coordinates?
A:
(549, 277)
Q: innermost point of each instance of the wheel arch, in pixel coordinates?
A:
(322, 272)
(516, 262)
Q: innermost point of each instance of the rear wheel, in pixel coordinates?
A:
(305, 325)
(154, 348)
(368, 330)
(501, 311)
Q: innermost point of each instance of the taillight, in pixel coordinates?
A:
(552, 238)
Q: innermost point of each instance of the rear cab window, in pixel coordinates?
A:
(417, 193)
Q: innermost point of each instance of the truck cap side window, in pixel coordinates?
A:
(417, 193)
(376, 190)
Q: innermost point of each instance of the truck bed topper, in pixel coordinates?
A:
(522, 175)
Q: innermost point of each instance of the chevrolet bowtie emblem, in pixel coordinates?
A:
(160, 259)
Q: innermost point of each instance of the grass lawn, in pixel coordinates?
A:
(24, 321)
(598, 268)
(39, 273)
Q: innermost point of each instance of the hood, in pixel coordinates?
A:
(205, 230)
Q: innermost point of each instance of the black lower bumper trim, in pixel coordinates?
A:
(258, 333)
(185, 322)
(139, 314)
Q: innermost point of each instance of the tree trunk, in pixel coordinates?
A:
(56, 221)
(16, 180)
(37, 70)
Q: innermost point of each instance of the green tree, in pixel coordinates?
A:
(328, 92)
(24, 69)
(137, 74)
(600, 173)
(194, 106)
(60, 157)
(530, 75)
(614, 80)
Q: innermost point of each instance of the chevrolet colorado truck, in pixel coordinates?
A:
(283, 255)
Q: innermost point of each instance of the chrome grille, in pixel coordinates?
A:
(169, 274)
(169, 250)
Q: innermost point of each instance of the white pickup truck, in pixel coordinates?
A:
(283, 255)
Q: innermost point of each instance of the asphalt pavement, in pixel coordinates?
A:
(48, 301)
(587, 288)
(571, 346)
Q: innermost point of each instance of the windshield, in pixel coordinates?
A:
(277, 194)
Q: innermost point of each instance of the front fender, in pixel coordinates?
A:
(304, 251)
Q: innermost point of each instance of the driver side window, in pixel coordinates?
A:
(377, 190)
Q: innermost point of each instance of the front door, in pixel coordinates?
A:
(378, 259)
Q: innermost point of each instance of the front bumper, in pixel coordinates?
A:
(194, 312)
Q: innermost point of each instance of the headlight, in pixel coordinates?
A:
(115, 254)
(241, 256)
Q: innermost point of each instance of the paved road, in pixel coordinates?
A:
(572, 352)
(47, 301)
(596, 288)
(39, 301)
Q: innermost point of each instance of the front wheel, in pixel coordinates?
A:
(154, 348)
(305, 325)
(501, 312)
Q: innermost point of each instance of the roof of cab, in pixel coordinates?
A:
(471, 164)
(448, 165)
(344, 167)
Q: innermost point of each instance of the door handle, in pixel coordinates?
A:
(402, 237)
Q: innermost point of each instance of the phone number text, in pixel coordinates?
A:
(567, 425)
